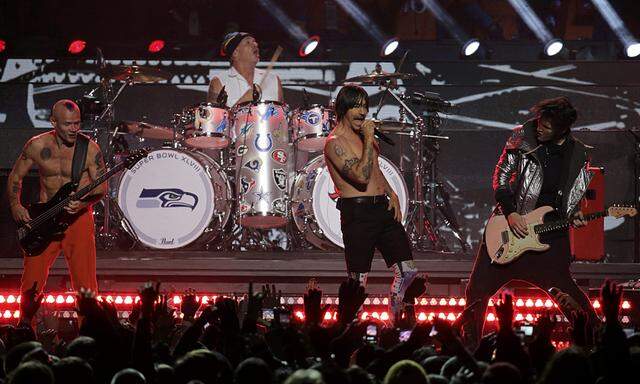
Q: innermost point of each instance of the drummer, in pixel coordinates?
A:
(238, 81)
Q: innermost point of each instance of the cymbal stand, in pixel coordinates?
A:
(105, 141)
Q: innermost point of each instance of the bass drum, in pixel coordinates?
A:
(314, 200)
(173, 198)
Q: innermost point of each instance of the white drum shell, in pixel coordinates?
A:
(314, 202)
(174, 198)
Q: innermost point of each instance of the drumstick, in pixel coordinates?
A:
(274, 58)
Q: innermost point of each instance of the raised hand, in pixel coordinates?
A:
(351, 296)
(486, 347)
(109, 307)
(504, 310)
(30, 303)
(163, 319)
(579, 328)
(148, 297)
(545, 325)
(87, 303)
(189, 305)
(313, 309)
(611, 293)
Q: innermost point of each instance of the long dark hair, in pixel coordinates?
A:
(559, 112)
(350, 96)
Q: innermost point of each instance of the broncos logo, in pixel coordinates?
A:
(334, 195)
(166, 198)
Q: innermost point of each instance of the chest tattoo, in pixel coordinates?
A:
(45, 153)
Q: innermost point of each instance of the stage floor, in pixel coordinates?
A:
(229, 272)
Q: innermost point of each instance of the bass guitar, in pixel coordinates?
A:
(51, 220)
(504, 246)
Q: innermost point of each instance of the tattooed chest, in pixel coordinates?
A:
(52, 162)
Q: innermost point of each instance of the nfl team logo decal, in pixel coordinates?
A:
(280, 178)
(279, 156)
(246, 184)
(313, 118)
(263, 144)
(253, 165)
(244, 208)
(279, 206)
(242, 149)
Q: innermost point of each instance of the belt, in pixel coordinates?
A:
(365, 199)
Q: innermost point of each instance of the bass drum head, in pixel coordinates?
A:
(171, 197)
(314, 202)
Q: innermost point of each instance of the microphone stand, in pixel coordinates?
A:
(636, 196)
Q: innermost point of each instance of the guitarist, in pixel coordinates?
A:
(53, 153)
(542, 164)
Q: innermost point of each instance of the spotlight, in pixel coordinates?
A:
(156, 46)
(3, 45)
(632, 49)
(309, 46)
(389, 46)
(470, 47)
(553, 46)
(76, 46)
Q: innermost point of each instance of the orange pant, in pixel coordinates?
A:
(79, 248)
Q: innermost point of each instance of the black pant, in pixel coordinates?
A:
(367, 226)
(542, 269)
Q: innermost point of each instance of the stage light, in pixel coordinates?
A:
(2, 299)
(306, 43)
(462, 302)
(443, 302)
(327, 316)
(519, 303)
(422, 316)
(470, 47)
(384, 316)
(528, 303)
(375, 315)
(629, 42)
(76, 46)
(491, 317)
(59, 299)
(11, 299)
(156, 46)
(309, 46)
(119, 300)
(177, 299)
(50, 299)
(552, 46)
(300, 315)
(3, 45)
(128, 300)
(452, 301)
(626, 305)
(538, 303)
(364, 315)
(387, 45)
(451, 316)
(70, 299)
(633, 50)
(596, 304)
(548, 303)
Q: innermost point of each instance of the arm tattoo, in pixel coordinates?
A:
(23, 156)
(15, 188)
(98, 159)
(339, 151)
(45, 153)
(346, 169)
(366, 170)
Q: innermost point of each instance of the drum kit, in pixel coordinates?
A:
(226, 178)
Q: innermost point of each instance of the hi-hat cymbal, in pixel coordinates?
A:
(149, 131)
(134, 73)
(375, 77)
(393, 126)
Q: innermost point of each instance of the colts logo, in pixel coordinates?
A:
(253, 165)
(279, 156)
(246, 185)
(260, 143)
(166, 198)
(280, 178)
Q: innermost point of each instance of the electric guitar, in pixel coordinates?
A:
(51, 220)
(504, 247)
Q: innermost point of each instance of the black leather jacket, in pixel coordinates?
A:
(517, 178)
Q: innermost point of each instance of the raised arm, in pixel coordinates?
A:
(14, 184)
(351, 166)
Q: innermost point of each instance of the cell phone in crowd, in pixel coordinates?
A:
(404, 335)
(267, 314)
(526, 329)
(371, 334)
(433, 331)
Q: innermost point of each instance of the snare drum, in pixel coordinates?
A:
(210, 129)
(263, 158)
(311, 126)
(314, 198)
(173, 198)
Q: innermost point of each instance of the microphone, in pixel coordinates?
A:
(382, 136)
(431, 100)
(101, 63)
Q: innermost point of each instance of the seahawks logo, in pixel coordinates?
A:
(166, 198)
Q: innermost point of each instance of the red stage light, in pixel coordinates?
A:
(422, 316)
(11, 299)
(327, 316)
(300, 315)
(156, 46)
(77, 46)
(177, 299)
(384, 316)
(3, 45)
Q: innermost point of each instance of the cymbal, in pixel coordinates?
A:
(149, 131)
(375, 77)
(134, 73)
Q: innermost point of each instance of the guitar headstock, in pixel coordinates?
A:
(136, 156)
(618, 211)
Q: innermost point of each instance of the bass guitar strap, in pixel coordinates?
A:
(79, 157)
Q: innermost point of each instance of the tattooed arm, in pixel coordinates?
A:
(95, 167)
(14, 184)
(351, 167)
